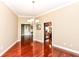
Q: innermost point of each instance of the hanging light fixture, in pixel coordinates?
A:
(37, 21)
(31, 20)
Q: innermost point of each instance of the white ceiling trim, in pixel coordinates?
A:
(26, 16)
(9, 8)
(51, 10)
(62, 6)
(57, 8)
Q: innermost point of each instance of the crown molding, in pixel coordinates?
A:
(24, 16)
(9, 8)
(54, 9)
(57, 8)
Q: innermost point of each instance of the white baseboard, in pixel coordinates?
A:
(67, 49)
(18, 40)
(8, 48)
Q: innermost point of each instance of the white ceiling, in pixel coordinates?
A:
(25, 7)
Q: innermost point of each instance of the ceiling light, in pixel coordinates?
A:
(32, 19)
(37, 21)
(29, 21)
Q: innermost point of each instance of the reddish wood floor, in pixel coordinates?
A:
(35, 49)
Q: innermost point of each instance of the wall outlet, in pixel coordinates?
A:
(64, 43)
(70, 45)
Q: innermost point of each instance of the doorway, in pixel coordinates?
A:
(47, 38)
(26, 40)
(26, 33)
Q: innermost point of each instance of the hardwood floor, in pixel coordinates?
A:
(36, 49)
(15, 51)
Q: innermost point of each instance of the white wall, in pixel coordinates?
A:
(8, 28)
(66, 26)
(66, 32)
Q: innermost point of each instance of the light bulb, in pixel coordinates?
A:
(28, 20)
(32, 19)
(37, 21)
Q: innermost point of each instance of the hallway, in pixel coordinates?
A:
(39, 28)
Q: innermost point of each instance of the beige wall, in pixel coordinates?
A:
(8, 27)
(66, 26)
(66, 31)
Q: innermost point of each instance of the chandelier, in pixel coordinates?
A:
(32, 19)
